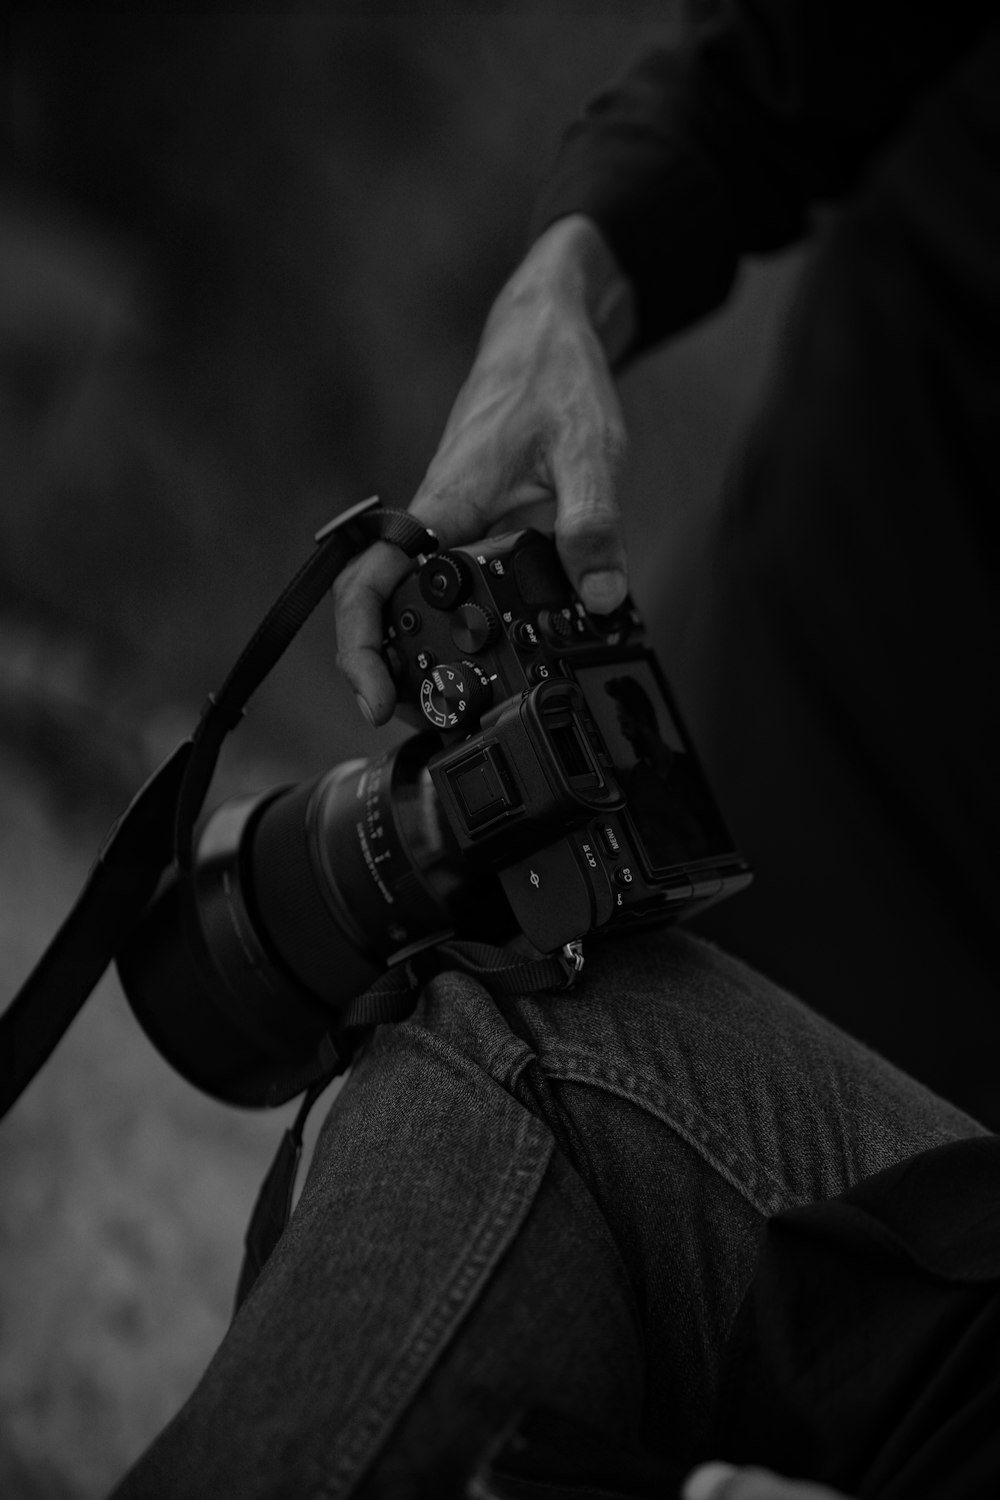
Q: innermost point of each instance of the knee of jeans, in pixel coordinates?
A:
(456, 1012)
(620, 1012)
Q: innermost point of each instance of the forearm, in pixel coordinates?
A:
(703, 152)
(571, 270)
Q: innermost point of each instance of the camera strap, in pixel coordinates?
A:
(157, 830)
(158, 825)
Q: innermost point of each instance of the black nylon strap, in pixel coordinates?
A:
(507, 972)
(273, 1207)
(393, 996)
(158, 827)
(158, 824)
(136, 851)
(223, 710)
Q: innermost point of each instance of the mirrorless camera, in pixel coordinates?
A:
(551, 791)
(563, 766)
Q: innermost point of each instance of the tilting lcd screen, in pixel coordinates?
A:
(671, 808)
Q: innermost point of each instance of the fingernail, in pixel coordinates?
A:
(705, 1482)
(602, 592)
(366, 712)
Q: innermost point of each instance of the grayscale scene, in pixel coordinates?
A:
(589, 870)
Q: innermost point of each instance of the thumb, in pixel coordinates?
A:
(719, 1481)
(589, 531)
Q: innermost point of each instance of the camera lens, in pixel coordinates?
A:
(299, 900)
(357, 865)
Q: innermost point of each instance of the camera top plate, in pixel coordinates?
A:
(506, 609)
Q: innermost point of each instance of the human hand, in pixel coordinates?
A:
(718, 1481)
(535, 435)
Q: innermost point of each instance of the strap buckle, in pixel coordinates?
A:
(571, 959)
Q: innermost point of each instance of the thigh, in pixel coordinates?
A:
(444, 1267)
(695, 1099)
(542, 1201)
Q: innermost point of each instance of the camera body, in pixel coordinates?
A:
(564, 768)
(553, 792)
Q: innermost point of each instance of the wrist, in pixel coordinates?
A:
(572, 268)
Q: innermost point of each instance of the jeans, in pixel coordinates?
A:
(546, 1201)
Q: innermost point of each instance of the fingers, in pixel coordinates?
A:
(589, 531)
(360, 594)
(362, 591)
(582, 462)
(719, 1481)
(537, 424)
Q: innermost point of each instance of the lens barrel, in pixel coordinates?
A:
(299, 899)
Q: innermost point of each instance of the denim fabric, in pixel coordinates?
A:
(540, 1201)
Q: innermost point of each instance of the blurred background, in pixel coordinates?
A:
(244, 261)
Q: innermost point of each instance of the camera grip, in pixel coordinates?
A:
(556, 896)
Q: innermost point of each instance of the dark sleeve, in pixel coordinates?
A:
(865, 1353)
(722, 145)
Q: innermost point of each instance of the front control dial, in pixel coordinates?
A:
(455, 694)
(446, 580)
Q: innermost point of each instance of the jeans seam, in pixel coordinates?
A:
(764, 1192)
(500, 1065)
(373, 1425)
(529, 1062)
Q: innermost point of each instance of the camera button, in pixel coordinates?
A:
(524, 635)
(610, 840)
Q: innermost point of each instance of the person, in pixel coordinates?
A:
(843, 618)
(676, 1208)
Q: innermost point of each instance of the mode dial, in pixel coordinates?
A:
(446, 579)
(455, 694)
(473, 627)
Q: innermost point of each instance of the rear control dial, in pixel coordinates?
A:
(557, 624)
(455, 694)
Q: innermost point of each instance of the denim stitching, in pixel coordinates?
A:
(765, 1192)
(491, 1239)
